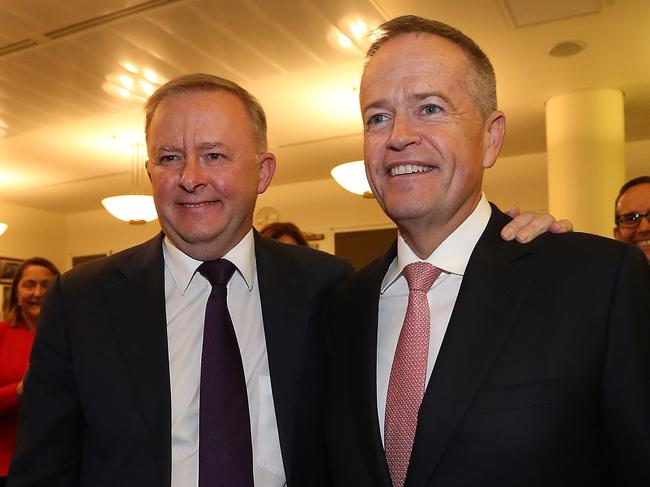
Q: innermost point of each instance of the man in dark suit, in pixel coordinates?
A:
(112, 397)
(459, 359)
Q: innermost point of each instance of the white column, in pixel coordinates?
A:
(585, 138)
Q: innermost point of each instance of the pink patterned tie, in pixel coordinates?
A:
(408, 373)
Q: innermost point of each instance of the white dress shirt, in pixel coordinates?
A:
(186, 295)
(451, 256)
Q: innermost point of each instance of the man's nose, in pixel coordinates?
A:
(404, 132)
(193, 175)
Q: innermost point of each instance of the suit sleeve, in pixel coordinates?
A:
(626, 377)
(51, 421)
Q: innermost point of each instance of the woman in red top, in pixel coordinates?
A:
(16, 337)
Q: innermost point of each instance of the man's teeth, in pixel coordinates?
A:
(196, 205)
(409, 169)
(643, 243)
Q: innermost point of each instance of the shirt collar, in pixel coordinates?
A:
(453, 254)
(182, 267)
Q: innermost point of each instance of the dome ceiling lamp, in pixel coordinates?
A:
(135, 208)
(3, 228)
(352, 177)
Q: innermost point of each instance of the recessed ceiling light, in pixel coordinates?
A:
(344, 41)
(132, 83)
(130, 68)
(147, 87)
(358, 29)
(566, 48)
(126, 82)
(151, 76)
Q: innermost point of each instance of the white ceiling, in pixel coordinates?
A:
(66, 145)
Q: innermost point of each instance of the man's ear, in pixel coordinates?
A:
(495, 131)
(617, 233)
(267, 169)
(147, 165)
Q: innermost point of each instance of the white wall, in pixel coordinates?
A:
(97, 232)
(32, 233)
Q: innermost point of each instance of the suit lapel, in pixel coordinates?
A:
(137, 313)
(363, 368)
(284, 335)
(488, 302)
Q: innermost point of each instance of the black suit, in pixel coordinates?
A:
(543, 378)
(97, 406)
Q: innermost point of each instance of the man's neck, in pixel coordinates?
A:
(424, 236)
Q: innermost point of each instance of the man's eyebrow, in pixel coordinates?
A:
(381, 103)
(375, 105)
(168, 148)
(428, 94)
(209, 145)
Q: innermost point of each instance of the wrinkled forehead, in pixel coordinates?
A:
(198, 114)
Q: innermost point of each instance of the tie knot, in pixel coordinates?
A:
(218, 272)
(421, 276)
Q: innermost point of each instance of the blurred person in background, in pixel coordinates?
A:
(16, 336)
(632, 210)
(286, 232)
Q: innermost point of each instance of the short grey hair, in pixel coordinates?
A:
(201, 82)
(483, 88)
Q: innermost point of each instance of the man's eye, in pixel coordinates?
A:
(167, 159)
(631, 217)
(214, 156)
(431, 109)
(375, 119)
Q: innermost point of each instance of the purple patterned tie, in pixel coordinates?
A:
(408, 373)
(225, 451)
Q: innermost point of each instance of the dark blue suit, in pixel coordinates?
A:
(543, 378)
(97, 407)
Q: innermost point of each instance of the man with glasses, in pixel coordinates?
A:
(632, 209)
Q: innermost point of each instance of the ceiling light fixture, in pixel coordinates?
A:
(130, 68)
(151, 76)
(3, 228)
(137, 207)
(147, 87)
(126, 82)
(345, 41)
(352, 177)
(351, 34)
(358, 28)
(132, 82)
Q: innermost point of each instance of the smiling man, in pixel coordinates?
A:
(462, 359)
(153, 369)
(632, 209)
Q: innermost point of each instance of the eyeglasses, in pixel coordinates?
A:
(632, 220)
